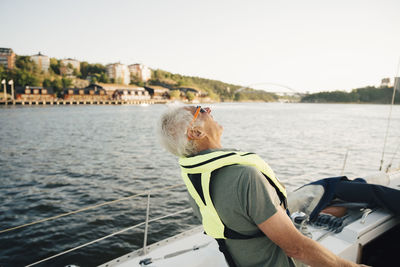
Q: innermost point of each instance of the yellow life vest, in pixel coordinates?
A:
(196, 173)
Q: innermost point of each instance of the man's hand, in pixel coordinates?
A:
(280, 229)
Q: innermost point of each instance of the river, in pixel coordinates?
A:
(58, 159)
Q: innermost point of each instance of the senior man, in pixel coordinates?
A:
(237, 196)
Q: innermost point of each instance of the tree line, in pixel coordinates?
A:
(369, 94)
(27, 73)
(216, 90)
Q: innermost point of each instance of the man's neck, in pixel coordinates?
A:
(205, 145)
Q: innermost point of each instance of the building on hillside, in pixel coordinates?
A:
(185, 90)
(138, 93)
(7, 58)
(67, 66)
(31, 93)
(199, 96)
(93, 92)
(91, 78)
(385, 82)
(141, 71)
(42, 61)
(119, 72)
(158, 92)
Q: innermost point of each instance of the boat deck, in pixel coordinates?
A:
(193, 248)
(190, 248)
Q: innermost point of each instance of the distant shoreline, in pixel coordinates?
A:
(19, 103)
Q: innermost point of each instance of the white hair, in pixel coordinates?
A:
(172, 131)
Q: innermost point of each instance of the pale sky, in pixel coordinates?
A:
(308, 45)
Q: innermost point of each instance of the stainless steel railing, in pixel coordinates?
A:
(145, 223)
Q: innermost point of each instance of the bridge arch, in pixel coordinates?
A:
(279, 85)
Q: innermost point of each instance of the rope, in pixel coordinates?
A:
(394, 155)
(330, 222)
(396, 82)
(107, 236)
(345, 161)
(88, 208)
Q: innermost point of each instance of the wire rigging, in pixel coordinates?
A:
(394, 155)
(107, 236)
(396, 83)
(87, 208)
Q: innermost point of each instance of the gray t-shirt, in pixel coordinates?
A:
(243, 198)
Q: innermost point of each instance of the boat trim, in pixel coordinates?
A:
(140, 252)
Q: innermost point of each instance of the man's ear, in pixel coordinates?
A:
(195, 133)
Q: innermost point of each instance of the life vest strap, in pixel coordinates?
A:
(232, 234)
(208, 161)
(197, 173)
(224, 249)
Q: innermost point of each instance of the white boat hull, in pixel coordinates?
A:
(193, 248)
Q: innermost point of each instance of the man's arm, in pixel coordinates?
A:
(280, 229)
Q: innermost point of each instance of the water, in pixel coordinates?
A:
(58, 159)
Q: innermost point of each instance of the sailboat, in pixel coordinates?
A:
(365, 236)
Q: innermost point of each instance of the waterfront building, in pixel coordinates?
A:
(125, 92)
(7, 58)
(158, 92)
(119, 72)
(111, 87)
(197, 93)
(138, 93)
(42, 61)
(34, 93)
(141, 71)
(199, 96)
(68, 65)
(93, 92)
(385, 82)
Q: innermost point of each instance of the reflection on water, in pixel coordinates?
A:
(58, 159)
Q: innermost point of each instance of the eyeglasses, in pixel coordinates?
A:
(199, 109)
